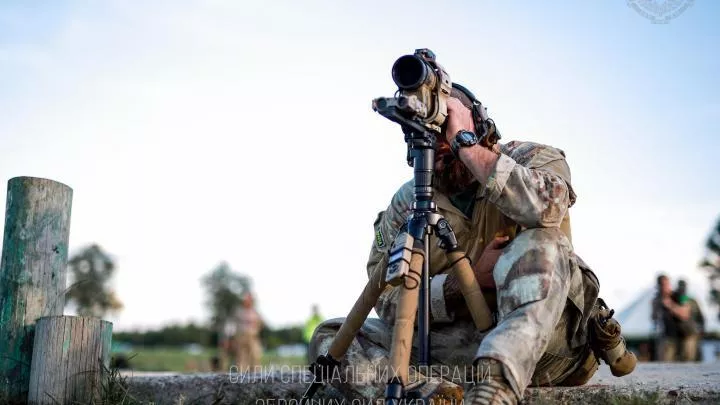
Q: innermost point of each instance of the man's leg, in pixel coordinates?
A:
(689, 348)
(365, 367)
(366, 357)
(242, 356)
(258, 351)
(669, 349)
(533, 279)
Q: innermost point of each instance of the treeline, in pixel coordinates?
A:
(180, 335)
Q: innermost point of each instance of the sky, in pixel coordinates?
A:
(195, 132)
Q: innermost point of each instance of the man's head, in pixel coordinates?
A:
(682, 287)
(247, 300)
(451, 175)
(664, 286)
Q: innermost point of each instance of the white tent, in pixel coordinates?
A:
(635, 318)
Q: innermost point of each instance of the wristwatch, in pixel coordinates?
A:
(463, 139)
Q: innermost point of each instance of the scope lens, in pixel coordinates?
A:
(409, 72)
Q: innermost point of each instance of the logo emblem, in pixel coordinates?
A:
(660, 11)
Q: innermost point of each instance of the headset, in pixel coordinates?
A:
(485, 128)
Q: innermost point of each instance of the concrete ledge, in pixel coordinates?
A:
(651, 383)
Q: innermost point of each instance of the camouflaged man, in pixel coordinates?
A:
(509, 209)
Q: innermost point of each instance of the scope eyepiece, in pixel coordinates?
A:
(409, 72)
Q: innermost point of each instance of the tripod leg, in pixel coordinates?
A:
(325, 365)
(358, 314)
(424, 310)
(405, 314)
(471, 290)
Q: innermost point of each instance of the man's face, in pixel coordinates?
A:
(682, 288)
(665, 286)
(451, 175)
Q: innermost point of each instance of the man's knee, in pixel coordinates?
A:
(529, 265)
(322, 337)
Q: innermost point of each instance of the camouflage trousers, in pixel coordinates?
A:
(530, 339)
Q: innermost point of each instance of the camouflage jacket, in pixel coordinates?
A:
(529, 188)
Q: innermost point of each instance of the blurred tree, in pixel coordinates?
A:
(90, 271)
(711, 262)
(170, 335)
(224, 289)
(272, 338)
(182, 334)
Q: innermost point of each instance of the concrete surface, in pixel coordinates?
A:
(650, 383)
(662, 383)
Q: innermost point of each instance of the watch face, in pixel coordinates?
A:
(467, 138)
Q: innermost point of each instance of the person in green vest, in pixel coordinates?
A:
(310, 325)
(690, 329)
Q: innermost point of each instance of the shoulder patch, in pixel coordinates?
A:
(379, 238)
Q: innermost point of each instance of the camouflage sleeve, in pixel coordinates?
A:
(387, 226)
(531, 185)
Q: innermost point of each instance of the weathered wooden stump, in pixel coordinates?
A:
(32, 273)
(70, 357)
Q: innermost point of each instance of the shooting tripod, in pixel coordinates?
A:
(408, 268)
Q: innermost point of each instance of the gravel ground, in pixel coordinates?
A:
(650, 383)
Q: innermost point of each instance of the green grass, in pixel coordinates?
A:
(172, 359)
(114, 390)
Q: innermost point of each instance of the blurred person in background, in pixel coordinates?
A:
(667, 315)
(311, 324)
(690, 330)
(663, 323)
(245, 344)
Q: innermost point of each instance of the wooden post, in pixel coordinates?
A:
(70, 356)
(33, 273)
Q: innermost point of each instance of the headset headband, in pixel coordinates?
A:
(466, 91)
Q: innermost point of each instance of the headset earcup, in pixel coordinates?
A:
(480, 128)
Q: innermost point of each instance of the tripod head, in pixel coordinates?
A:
(421, 142)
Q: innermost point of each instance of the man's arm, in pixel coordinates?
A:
(654, 313)
(532, 197)
(446, 299)
(681, 311)
(386, 227)
(444, 289)
(536, 196)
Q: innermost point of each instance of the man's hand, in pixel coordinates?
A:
(680, 311)
(483, 269)
(459, 117)
(480, 161)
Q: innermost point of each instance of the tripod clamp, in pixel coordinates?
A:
(401, 249)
